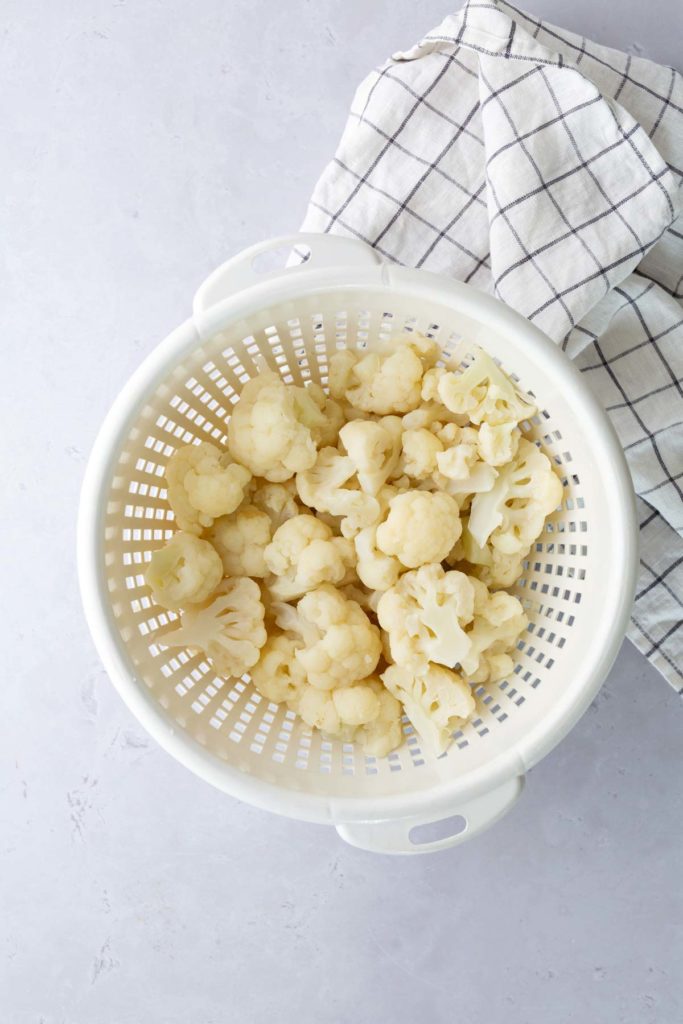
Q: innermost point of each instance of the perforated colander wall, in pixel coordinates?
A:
(230, 719)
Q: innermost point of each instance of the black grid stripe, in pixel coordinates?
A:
(476, 154)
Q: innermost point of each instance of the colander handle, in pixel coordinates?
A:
(394, 835)
(302, 251)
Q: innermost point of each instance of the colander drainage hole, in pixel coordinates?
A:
(436, 830)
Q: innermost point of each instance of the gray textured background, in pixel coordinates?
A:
(143, 142)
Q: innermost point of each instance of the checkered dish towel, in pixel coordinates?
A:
(545, 169)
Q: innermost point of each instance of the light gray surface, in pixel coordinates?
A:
(142, 143)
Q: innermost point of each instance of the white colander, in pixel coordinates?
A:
(577, 586)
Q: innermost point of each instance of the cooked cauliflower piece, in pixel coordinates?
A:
(185, 571)
(277, 675)
(375, 569)
(513, 512)
(275, 427)
(203, 483)
(450, 619)
(340, 372)
(340, 644)
(498, 444)
(437, 701)
(425, 613)
(374, 448)
(305, 553)
(420, 451)
(322, 415)
(240, 539)
(502, 570)
(484, 393)
(322, 488)
(457, 460)
(431, 415)
(364, 713)
(230, 630)
(278, 501)
(421, 527)
(388, 380)
(499, 621)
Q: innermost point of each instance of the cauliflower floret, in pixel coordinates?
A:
(437, 702)
(499, 620)
(385, 732)
(431, 414)
(277, 675)
(230, 630)
(457, 460)
(390, 380)
(240, 539)
(203, 483)
(364, 713)
(513, 512)
(502, 570)
(185, 571)
(304, 553)
(430, 384)
(480, 479)
(425, 613)
(421, 527)
(274, 426)
(485, 393)
(374, 448)
(421, 450)
(375, 569)
(278, 501)
(340, 372)
(340, 644)
(498, 445)
(320, 414)
(322, 488)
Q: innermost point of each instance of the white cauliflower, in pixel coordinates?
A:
(203, 483)
(275, 427)
(499, 621)
(303, 554)
(185, 571)
(375, 569)
(322, 487)
(487, 563)
(340, 372)
(364, 713)
(480, 479)
(431, 415)
(240, 539)
(230, 630)
(425, 613)
(498, 444)
(278, 501)
(457, 460)
(340, 644)
(502, 570)
(438, 701)
(277, 675)
(513, 512)
(374, 448)
(484, 393)
(389, 380)
(421, 527)
(420, 451)
(320, 414)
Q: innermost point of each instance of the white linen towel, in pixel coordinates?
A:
(546, 169)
